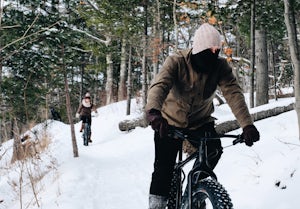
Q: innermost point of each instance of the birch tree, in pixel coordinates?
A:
(252, 36)
(122, 81)
(289, 17)
(129, 82)
(144, 56)
(262, 78)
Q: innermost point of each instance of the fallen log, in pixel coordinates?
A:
(221, 128)
(127, 125)
(233, 124)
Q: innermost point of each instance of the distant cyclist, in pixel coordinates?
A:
(84, 111)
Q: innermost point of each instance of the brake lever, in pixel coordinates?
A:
(240, 139)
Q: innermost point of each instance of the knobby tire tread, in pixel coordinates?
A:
(214, 191)
(173, 191)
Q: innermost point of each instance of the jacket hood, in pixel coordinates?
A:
(206, 36)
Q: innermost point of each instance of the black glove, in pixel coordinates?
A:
(157, 122)
(250, 134)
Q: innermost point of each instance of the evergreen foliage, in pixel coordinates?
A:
(33, 34)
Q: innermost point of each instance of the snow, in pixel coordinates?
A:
(115, 170)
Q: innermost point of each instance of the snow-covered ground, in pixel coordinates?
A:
(114, 171)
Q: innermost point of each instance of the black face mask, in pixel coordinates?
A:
(204, 61)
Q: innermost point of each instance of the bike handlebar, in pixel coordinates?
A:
(179, 134)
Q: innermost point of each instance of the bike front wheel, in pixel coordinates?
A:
(208, 194)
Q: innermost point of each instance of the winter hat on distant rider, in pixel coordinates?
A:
(87, 95)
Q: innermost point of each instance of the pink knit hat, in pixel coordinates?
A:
(206, 36)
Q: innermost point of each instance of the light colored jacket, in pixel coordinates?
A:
(185, 97)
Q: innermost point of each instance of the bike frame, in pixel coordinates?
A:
(201, 164)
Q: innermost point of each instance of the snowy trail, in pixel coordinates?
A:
(115, 171)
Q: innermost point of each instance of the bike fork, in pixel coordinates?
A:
(189, 185)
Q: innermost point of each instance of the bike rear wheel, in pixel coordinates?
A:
(208, 194)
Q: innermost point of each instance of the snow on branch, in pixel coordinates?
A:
(92, 4)
(106, 42)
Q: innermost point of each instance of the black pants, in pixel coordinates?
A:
(166, 150)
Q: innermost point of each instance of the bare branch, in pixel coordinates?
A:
(10, 26)
(35, 19)
(17, 50)
(24, 37)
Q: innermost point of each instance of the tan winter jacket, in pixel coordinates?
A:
(185, 97)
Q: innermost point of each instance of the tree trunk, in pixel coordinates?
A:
(128, 125)
(289, 18)
(122, 82)
(109, 76)
(144, 59)
(18, 152)
(272, 68)
(262, 78)
(68, 106)
(129, 83)
(231, 125)
(157, 39)
(252, 54)
(1, 66)
(175, 25)
(81, 83)
(1, 116)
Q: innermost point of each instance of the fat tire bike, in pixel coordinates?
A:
(86, 135)
(199, 193)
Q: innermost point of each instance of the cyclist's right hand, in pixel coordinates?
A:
(77, 115)
(250, 135)
(157, 122)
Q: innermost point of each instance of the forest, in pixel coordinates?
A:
(54, 51)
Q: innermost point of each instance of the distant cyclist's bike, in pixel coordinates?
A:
(205, 193)
(86, 134)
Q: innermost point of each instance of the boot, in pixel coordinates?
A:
(90, 137)
(82, 127)
(157, 202)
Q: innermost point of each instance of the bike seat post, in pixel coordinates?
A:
(180, 153)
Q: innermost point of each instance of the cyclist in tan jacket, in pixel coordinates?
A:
(182, 96)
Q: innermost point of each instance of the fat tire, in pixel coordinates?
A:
(212, 190)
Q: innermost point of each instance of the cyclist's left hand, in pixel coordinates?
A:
(250, 134)
(96, 114)
(158, 123)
